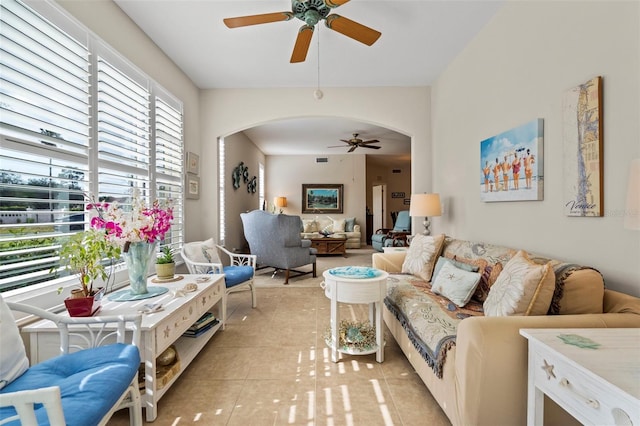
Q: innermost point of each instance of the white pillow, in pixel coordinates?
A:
(13, 357)
(422, 255)
(338, 225)
(210, 251)
(455, 284)
(522, 288)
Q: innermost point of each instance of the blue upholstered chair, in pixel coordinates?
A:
(396, 237)
(202, 257)
(275, 240)
(82, 386)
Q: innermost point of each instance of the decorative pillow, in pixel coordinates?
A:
(522, 288)
(442, 260)
(309, 225)
(349, 224)
(455, 284)
(422, 255)
(338, 225)
(13, 357)
(211, 254)
(489, 276)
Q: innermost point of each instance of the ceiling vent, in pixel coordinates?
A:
(322, 160)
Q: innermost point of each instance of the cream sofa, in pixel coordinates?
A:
(312, 227)
(482, 379)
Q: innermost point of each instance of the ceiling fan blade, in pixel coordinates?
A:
(335, 3)
(302, 44)
(336, 146)
(353, 148)
(370, 146)
(371, 141)
(352, 29)
(265, 18)
(346, 141)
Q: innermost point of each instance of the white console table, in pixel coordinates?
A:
(595, 377)
(159, 330)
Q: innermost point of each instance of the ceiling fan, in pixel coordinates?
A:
(310, 12)
(355, 142)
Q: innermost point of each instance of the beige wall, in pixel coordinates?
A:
(238, 148)
(228, 111)
(112, 25)
(516, 70)
(285, 175)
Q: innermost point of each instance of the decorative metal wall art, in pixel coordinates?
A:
(241, 174)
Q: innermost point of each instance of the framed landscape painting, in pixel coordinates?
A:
(322, 198)
(511, 164)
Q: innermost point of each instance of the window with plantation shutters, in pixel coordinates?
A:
(44, 96)
(169, 163)
(124, 134)
(76, 118)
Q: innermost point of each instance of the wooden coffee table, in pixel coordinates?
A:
(329, 245)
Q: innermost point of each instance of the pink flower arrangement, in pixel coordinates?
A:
(141, 224)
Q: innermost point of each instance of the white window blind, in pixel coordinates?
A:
(221, 194)
(124, 135)
(169, 163)
(44, 96)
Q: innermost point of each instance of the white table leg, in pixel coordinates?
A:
(379, 339)
(334, 327)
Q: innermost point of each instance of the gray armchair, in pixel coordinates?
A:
(275, 240)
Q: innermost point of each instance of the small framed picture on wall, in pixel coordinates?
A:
(193, 163)
(193, 187)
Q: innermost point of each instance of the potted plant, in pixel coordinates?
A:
(165, 265)
(84, 254)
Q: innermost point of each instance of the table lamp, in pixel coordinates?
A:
(280, 202)
(632, 210)
(425, 205)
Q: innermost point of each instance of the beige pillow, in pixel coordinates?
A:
(310, 225)
(422, 255)
(522, 288)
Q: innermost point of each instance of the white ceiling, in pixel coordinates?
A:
(419, 39)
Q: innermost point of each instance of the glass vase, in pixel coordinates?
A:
(138, 258)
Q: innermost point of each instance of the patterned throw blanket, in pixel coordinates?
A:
(430, 320)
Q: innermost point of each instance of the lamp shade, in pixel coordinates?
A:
(632, 209)
(280, 201)
(427, 205)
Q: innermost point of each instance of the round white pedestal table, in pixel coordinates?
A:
(355, 284)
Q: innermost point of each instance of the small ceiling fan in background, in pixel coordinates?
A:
(355, 142)
(310, 12)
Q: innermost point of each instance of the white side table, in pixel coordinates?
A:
(593, 374)
(356, 289)
(394, 249)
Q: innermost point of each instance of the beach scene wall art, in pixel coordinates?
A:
(511, 164)
(582, 145)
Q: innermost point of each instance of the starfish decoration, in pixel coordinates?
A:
(548, 368)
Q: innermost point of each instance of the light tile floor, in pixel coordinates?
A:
(271, 367)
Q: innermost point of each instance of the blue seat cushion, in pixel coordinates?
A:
(234, 275)
(90, 381)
